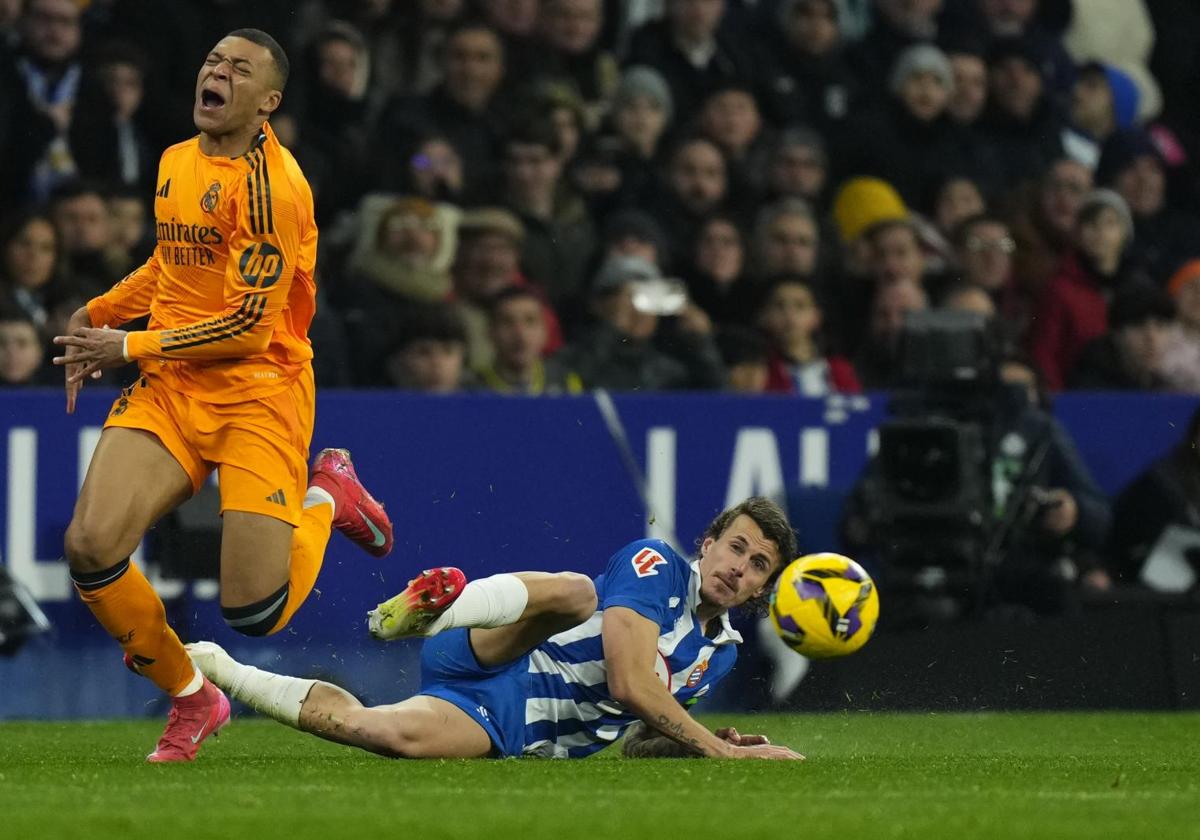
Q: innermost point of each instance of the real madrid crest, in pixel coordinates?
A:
(208, 201)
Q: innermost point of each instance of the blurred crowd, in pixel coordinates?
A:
(548, 196)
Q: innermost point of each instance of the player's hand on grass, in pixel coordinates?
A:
(765, 751)
(734, 737)
(79, 320)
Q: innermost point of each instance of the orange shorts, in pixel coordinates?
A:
(259, 448)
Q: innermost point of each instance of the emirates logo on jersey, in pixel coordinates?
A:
(208, 201)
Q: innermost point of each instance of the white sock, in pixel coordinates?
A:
(490, 602)
(193, 686)
(316, 496)
(274, 695)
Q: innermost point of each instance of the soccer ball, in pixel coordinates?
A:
(824, 605)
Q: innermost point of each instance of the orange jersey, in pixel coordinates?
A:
(229, 289)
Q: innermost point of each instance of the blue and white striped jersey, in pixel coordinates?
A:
(569, 712)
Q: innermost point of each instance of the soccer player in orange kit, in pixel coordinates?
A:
(226, 383)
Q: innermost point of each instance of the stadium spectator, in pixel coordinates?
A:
(464, 107)
(108, 138)
(1020, 19)
(572, 29)
(517, 23)
(896, 253)
(635, 233)
(697, 184)
(811, 64)
(985, 250)
(418, 40)
(32, 267)
(488, 261)
(791, 318)
(731, 118)
(93, 254)
(428, 354)
(746, 354)
(334, 115)
(895, 26)
(22, 351)
(1022, 129)
(1164, 237)
(559, 237)
(969, 93)
(1043, 221)
(716, 279)
(798, 167)
(958, 198)
(433, 170)
(39, 82)
(693, 53)
(1130, 355)
(1103, 102)
(1181, 358)
(518, 334)
(876, 362)
(1073, 309)
(910, 140)
(786, 240)
(1119, 32)
(402, 257)
(132, 232)
(621, 163)
(621, 351)
(556, 103)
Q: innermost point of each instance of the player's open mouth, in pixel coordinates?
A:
(210, 100)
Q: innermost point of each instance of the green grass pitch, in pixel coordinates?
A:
(867, 776)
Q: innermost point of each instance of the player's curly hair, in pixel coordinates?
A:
(773, 521)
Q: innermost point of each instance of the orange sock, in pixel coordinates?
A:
(127, 606)
(308, 552)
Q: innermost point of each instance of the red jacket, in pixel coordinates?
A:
(840, 376)
(1072, 310)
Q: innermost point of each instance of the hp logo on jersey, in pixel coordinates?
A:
(261, 265)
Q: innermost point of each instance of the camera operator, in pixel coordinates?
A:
(977, 499)
(1057, 539)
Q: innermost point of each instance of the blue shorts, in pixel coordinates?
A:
(494, 697)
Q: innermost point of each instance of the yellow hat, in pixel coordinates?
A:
(864, 202)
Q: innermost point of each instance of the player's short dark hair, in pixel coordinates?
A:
(256, 36)
(773, 521)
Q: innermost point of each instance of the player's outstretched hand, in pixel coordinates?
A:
(79, 320)
(95, 350)
(734, 737)
(766, 751)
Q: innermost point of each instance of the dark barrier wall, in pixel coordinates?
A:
(483, 482)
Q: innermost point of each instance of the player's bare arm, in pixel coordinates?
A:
(643, 742)
(630, 646)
